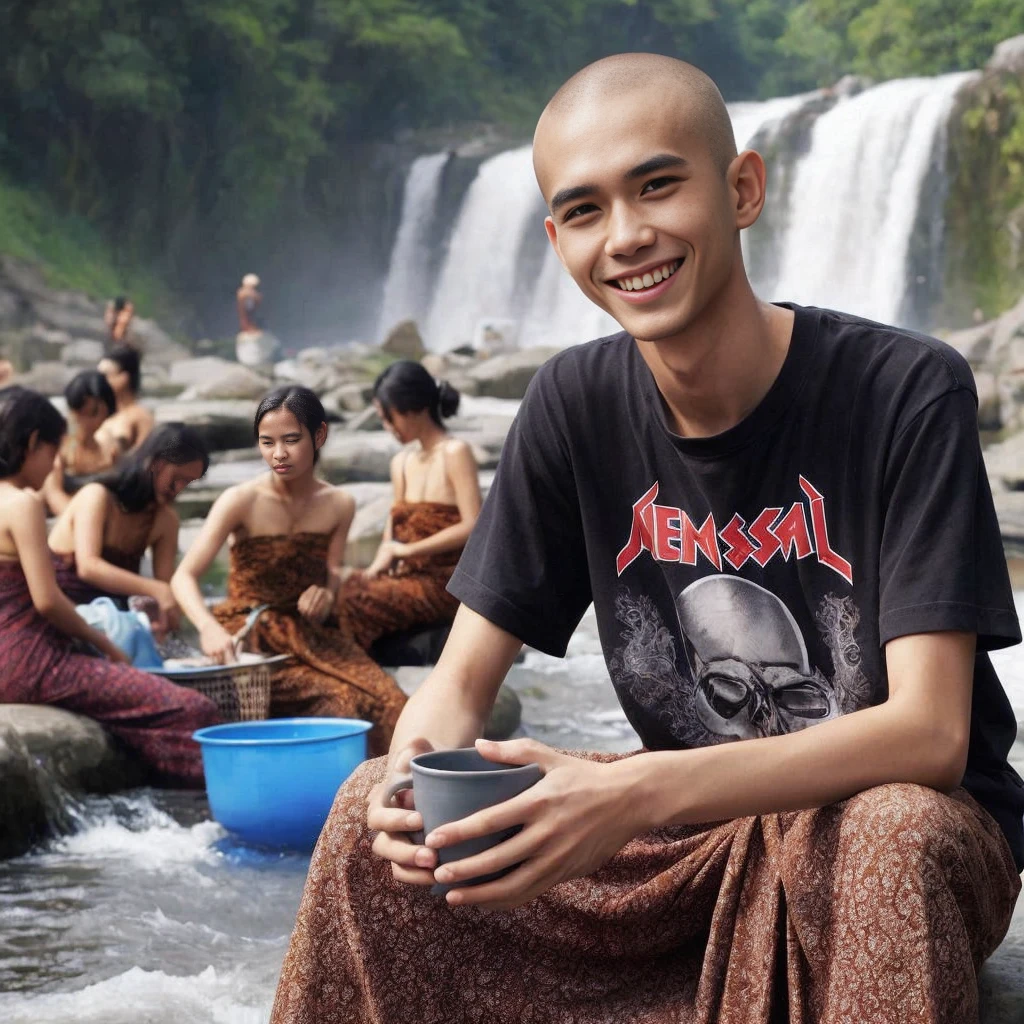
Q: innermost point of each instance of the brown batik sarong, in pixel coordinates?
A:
(413, 593)
(330, 673)
(876, 910)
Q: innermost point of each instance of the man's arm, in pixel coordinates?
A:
(581, 813)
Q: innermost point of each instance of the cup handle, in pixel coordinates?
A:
(396, 787)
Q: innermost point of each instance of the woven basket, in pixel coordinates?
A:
(241, 692)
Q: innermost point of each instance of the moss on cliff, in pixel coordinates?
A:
(984, 263)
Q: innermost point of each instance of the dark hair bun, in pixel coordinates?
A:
(448, 399)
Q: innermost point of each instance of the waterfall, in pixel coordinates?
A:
(856, 194)
(478, 278)
(845, 178)
(406, 294)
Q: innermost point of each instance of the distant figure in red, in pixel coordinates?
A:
(249, 300)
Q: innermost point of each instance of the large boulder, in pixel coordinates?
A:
(364, 456)
(1008, 56)
(404, 341)
(210, 377)
(508, 375)
(43, 752)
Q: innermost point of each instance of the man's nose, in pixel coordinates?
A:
(628, 231)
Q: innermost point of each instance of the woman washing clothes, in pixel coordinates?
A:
(436, 503)
(90, 401)
(287, 531)
(39, 662)
(100, 538)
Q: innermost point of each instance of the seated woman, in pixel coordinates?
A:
(437, 500)
(39, 662)
(100, 538)
(288, 531)
(131, 422)
(90, 401)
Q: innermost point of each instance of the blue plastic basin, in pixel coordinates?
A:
(272, 783)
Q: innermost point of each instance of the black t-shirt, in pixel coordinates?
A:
(745, 584)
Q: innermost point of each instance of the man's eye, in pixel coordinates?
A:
(656, 184)
(580, 211)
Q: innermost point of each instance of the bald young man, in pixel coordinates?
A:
(782, 518)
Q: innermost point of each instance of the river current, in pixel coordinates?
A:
(150, 914)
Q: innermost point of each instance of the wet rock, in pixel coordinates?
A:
(44, 751)
(509, 374)
(505, 717)
(364, 421)
(159, 348)
(973, 343)
(1005, 463)
(404, 341)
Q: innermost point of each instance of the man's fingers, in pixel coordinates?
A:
(512, 851)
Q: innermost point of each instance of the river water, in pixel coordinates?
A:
(149, 914)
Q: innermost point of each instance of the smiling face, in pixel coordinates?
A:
(286, 445)
(645, 214)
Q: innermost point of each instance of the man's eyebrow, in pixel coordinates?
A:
(655, 163)
(570, 195)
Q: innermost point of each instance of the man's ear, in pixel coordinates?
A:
(549, 227)
(747, 178)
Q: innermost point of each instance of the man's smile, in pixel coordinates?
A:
(647, 282)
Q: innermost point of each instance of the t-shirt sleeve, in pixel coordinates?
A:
(942, 564)
(525, 566)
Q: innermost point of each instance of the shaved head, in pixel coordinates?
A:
(661, 79)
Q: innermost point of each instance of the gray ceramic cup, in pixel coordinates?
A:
(449, 785)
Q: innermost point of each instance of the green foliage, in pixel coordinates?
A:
(72, 252)
(193, 133)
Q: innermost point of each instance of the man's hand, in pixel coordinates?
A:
(395, 820)
(574, 820)
(315, 603)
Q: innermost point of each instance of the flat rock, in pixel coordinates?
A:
(508, 375)
(364, 456)
(210, 377)
(222, 424)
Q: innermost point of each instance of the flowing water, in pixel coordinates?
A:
(149, 913)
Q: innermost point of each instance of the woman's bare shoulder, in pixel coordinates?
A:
(456, 449)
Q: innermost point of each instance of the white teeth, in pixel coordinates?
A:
(651, 278)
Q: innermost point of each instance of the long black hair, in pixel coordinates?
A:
(127, 360)
(22, 412)
(406, 386)
(90, 384)
(131, 482)
(300, 402)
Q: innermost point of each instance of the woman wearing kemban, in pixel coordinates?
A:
(39, 660)
(132, 421)
(100, 538)
(90, 401)
(436, 503)
(287, 531)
